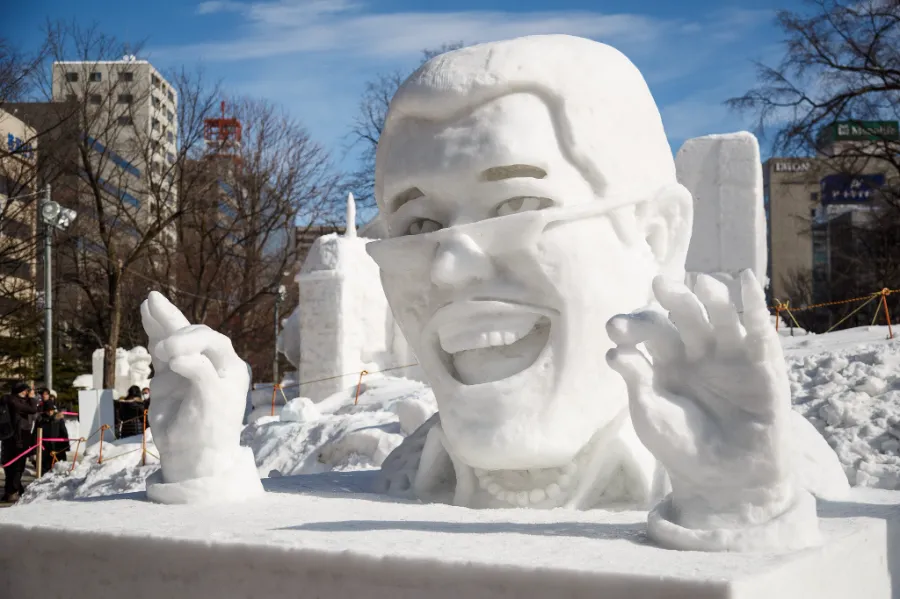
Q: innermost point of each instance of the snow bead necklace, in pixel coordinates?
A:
(529, 487)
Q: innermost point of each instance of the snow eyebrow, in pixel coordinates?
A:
(512, 171)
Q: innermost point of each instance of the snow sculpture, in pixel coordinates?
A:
(199, 394)
(132, 368)
(526, 205)
(715, 408)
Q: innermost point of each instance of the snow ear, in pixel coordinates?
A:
(666, 222)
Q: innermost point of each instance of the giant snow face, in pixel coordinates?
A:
(502, 269)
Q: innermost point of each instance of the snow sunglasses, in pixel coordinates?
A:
(495, 236)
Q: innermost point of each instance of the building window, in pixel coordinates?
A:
(171, 97)
(126, 76)
(170, 137)
(96, 99)
(126, 98)
(72, 77)
(154, 123)
(171, 116)
(154, 79)
(71, 97)
(155, 102)
(95, 76)
(125, 120)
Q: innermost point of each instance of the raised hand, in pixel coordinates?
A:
(199, 392)
(714, 407)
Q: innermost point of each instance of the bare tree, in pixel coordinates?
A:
(239, 244)
(116, 162)
(17, 70)
(841, 68)
(369, 121)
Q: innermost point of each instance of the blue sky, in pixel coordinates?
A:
(314, 56)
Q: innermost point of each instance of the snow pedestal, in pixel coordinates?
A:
(318, 536)
(95, 408)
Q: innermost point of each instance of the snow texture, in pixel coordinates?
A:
(323, 536)
(199, 395)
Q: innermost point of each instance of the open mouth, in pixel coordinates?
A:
(488, 346)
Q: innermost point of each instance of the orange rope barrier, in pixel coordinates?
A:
(100, 458)
(75, 459)
(358, 385)
(887, 315)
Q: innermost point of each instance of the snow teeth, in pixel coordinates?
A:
(456, 342)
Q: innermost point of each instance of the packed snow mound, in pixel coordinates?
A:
(847, 384)
(122, 471)
(344, 436)
(300, 409)
(309, 438)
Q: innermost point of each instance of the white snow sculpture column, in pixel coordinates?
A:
(715, 408)
(342, 311)
(724, 175)
(199, 397)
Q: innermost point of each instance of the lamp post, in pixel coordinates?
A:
(53, 217)
(281, 294)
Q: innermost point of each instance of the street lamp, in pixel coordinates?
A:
(54, 217)
(282, 294)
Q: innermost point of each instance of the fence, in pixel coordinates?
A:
(882, 295)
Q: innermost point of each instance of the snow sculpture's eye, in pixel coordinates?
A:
(522, 204)
(422, 225)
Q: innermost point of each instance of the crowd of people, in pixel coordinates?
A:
(23, 413)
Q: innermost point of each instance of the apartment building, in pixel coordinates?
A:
(131, 124)
(18, 230)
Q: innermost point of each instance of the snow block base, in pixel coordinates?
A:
(322, 536)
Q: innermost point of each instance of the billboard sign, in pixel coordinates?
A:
(849, 189)
(865, 131)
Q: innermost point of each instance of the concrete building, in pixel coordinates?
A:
(133, 130)
(807, 199)
(18, 230)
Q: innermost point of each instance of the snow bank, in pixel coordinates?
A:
(848, 385)
(332, 435)
(342, 436)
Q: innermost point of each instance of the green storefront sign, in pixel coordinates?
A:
(864, 131)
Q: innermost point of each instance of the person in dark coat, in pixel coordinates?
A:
(21, 407)
(53, 425)
(131, 413)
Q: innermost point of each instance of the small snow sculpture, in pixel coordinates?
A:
(715, 408)
(527, 205)
(199, 394)
(351, 216)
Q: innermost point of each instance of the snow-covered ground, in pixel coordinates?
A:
(846, 383)
(304, 439)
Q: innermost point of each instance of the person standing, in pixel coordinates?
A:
(53, 425)
(131, 413)
(20, 407)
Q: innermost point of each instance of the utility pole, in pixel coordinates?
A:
(48, 296)
(282, 293)
(53, 217)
